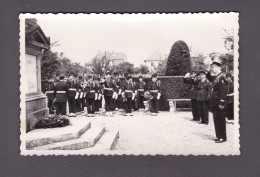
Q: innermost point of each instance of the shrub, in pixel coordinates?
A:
(178, 63)
(173, 87)
(52, 121)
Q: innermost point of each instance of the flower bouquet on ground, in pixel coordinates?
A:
(53, 121)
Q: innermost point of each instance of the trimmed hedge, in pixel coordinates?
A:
(173, 87)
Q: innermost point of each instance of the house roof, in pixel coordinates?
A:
(111, 55)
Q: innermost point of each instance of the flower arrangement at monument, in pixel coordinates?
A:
(53, 121)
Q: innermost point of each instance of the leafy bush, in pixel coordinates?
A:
(52, 121)
(173, 87)
(178, 63)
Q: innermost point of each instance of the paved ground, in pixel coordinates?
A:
(168, 133)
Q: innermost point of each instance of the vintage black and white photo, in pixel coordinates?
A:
(134, 84)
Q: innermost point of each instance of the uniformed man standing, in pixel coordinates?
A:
(155, 91)
(71, 96)
(203, 94)
(189, 78)
(128, 93)
(230, 98)
(217, 100)
(140, 86)
(78, 94)
(60, 91)
(118, 90)
(91, 96)
(109, 87)
(50, 95)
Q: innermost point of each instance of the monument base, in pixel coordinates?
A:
(36, 108)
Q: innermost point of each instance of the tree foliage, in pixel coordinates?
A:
(49, 64)
(142, 69)
(100, 66)
(124, 67)
(178, 63)
(53, 63)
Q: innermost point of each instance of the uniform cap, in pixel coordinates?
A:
(228, 75)
(216, 61)
(108, 72)
(80, 77)
(115, 73)
(154, 75)
(90, 77)
(203, 71)
(62, 77)
(140, 77)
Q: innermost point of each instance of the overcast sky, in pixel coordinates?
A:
(82, 36)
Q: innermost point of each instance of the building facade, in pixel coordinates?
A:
(153, 61)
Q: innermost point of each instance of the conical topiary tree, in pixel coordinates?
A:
(178, 63)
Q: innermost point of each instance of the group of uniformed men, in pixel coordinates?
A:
(118, 93)
(212, 91)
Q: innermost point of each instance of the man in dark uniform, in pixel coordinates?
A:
(49, 91)
(189, 78)
(140, 87)
(203, 94)
(155, 91)
(91, 96)
(109, 87)
(97, 92)
(230, 98)
(128, 93)
(217, 100)
(118, 90)
(78, 93)
(71, 96)
(100, 98)
(60, 91)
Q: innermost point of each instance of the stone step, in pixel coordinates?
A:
(40, 137)
(106, 143)
(88, 139)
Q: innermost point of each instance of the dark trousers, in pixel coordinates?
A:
(141, 102)
(230, 111)
(154, 105)
(108, 103)
(72, 105)
(61, 108)
(50, 106)
(195, 109)
(128, 105)
(113, 104)
(83, 103)
(96, 103)
(220, 123)
(204, 111)
(100, 103)
(90, 105)
(119, 102)
(78, 105)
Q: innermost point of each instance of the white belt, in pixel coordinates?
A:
(92, 91)
(128, 91)
(49, 91)
(108, 88)
(153, 90)
(140, 89)
(61, 92)
(72, 89)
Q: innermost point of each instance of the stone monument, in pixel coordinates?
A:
(35, 43)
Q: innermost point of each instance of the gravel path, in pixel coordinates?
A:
(168, 133)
